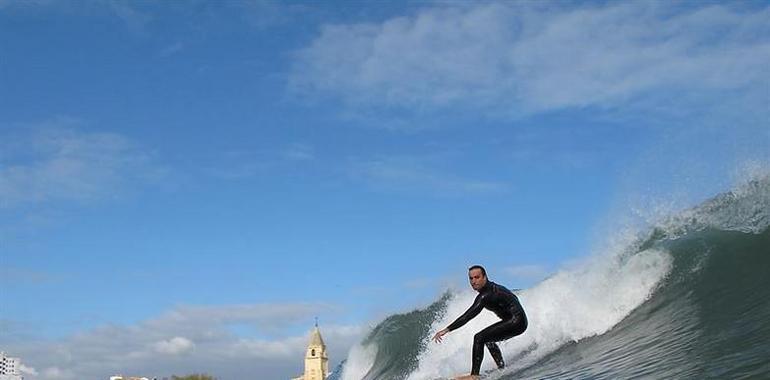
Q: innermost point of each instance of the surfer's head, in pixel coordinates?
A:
(477, 276)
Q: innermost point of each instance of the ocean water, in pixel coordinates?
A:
(688, 298)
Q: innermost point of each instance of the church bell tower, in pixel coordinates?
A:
(316, 358)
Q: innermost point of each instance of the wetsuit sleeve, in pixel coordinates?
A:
(469, 314)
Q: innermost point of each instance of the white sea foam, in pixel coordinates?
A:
(360, 360)
(571, 305)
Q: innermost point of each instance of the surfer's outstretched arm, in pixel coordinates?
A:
(469, 314)
(472, 312)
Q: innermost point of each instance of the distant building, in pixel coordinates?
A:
(316, 359)
(10, 368)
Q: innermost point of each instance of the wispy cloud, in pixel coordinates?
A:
(57, 162)
(299, 152)
(513, 59)
(175, 346)
(27, 370)
(171, 50)
(263, 14)
(416, 175)
(244, 164)
(129, 13)
(238, 164)
(15, 275)
(25, 3)
(528, 273)
(185, 339)
(265, 317)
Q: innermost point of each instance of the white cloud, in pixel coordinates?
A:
(174, 346)
(267, 317)
(56, 373)
(27, 370)
(512, 59)
(59, 163)
(129, 13)
(190, 339)
(171, 50)
(415, 174)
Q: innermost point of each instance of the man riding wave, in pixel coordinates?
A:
(500, 301)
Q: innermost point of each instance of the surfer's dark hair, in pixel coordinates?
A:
(483, 271)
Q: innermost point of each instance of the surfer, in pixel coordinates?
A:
(500, 301)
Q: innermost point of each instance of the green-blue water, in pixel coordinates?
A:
(707, 317)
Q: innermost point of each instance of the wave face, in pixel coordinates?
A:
(688, 299)
(391, 350)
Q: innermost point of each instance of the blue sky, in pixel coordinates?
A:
(184, 186)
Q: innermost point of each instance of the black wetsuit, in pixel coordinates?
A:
(504, 304)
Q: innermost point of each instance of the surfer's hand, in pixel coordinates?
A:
(437, 337)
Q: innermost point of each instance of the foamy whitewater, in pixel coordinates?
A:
(686, 298)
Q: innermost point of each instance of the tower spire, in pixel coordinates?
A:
(316, 357)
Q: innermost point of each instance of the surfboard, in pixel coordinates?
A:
(466, 377)
(484, 375)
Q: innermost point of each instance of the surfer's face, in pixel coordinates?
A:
(477, 279)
